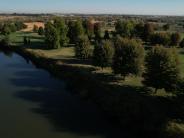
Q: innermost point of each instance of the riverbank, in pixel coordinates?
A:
(133, 106)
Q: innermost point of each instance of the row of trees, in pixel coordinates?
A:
(147, 32)
(71, 31)
(166, 39)
(8, 27)
(56, 34)
(127, 57)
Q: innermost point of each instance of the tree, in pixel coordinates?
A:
(125, 28)
(82, 49)
(89, 27)
(41, 31)
(6, 30)
(175, 39)
(62, 29)
(52, 37)
(148, 31)
(5, 41)
(139, 30)
(161, 69)
(75, 31)
(106, 35)
(166, 27)
(160, 38)
(98, 32)
(35, 28)
(182, 44)
(128, 57)
(103, 54)
(20, 25)
(71, 33)
(25, 40)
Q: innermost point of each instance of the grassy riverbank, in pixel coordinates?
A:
(129, 103)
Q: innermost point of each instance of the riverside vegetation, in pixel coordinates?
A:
(114, 70)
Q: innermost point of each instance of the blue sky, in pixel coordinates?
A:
(163, 7)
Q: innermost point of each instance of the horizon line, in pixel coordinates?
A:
(97, 13)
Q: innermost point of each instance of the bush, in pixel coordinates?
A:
(82, 49)
(128, 57)
(103, 54)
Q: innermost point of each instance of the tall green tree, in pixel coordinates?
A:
(106, 35)
(98, 32)
(125, 28)
(139, 30)
(75, 31)
(148, 31)
(62, 29)
(161, 69)
(182, 44)
(52, 37)
(175, 39)
(89, 27)
(82, 49)
(103, 54)
(166, 27)
(128, 57)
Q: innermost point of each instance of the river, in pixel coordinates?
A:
(34, 104)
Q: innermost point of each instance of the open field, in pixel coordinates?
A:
(30, 26)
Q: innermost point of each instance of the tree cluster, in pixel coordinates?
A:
(56, 34)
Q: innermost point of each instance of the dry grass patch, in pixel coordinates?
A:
(30, 26)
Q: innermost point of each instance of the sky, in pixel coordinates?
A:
(149, 7)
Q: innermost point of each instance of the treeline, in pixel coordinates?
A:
(6, 28)
(72, 30)
(9, 27)
(122, 49)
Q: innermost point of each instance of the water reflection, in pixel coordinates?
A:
(34, 95)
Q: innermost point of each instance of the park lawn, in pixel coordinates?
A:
(17, 38)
